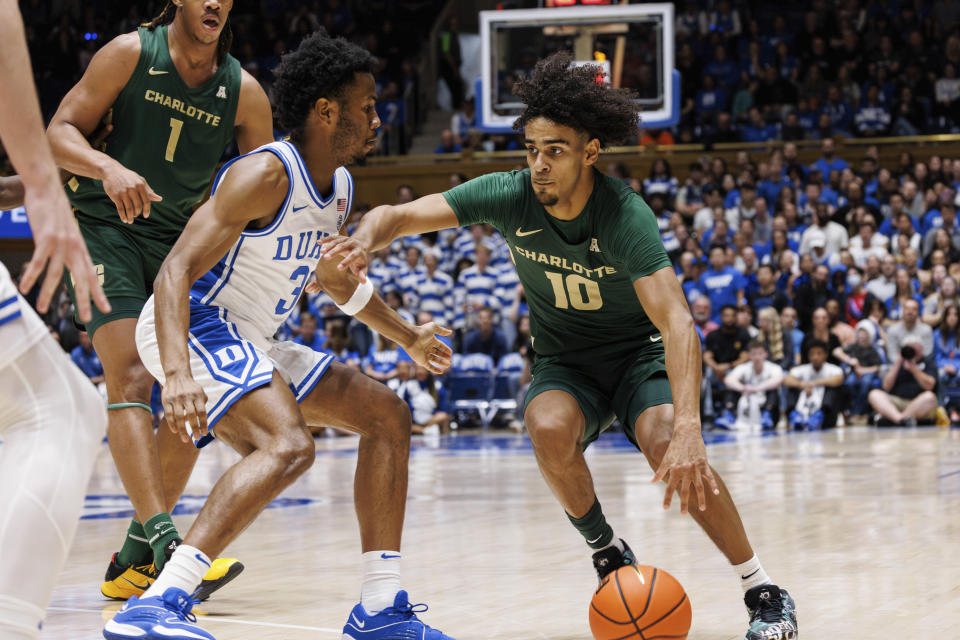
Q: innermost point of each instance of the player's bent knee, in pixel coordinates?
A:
(129, 384)
(656, 447)
(552, 439)
(295, 454)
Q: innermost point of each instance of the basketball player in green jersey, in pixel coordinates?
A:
(612, 333)
(177, 99)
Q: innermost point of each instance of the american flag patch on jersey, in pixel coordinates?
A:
(341, 205)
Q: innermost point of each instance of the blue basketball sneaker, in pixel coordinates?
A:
(766, 421)
(773, 614)
(398, 622)
(725, 421)
(164, 617)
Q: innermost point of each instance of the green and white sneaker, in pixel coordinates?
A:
(608, 560)
(773, 614)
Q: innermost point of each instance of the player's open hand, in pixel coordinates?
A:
(58, 244)
(185, 407)
(353, 253)
(129, 192)
(428, 351)
(685, 464)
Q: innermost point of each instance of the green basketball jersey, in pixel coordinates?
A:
(170, 134)
(578, 274)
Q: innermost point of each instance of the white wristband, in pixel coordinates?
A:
(361, 296)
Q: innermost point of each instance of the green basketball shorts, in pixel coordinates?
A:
(127, 266)
(622, 387)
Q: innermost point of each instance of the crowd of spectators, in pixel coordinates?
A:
(752, 72)
(858, 266)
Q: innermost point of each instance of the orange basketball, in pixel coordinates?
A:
(637, 602)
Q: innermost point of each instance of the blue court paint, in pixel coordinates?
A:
(102, 506)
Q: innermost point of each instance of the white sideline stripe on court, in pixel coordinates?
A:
(276, 625)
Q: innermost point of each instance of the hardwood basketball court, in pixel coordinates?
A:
(862, 526)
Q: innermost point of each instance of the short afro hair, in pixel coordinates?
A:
(321, 67)
(577, 97)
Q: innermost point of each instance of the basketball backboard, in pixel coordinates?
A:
(632, 43)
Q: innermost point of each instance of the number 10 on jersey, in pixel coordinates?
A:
(575, 291)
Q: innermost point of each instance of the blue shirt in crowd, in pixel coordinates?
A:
(721, 287)
(89, 363)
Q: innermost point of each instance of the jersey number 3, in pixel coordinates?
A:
(300, 277)
(580, 293)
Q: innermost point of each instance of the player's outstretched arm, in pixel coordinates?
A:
(361, 301)
(56, 237)
(81, 111)
(384, 224)
(685, 462)
(252, 189)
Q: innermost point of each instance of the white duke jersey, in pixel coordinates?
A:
(20, 327)
(262, 276)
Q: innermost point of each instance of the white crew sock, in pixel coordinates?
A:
(184, 570)
(614, 542)
(381, 580)
(751, 574)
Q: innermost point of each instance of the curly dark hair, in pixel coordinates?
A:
(576, 97)
(321, 67)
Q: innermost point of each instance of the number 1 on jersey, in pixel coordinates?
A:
(175, 127)
(571, 293)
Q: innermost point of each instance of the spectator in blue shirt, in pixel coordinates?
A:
(757, 130)
(86, 359)
(946, 347)
(381, 361)
(723, 68)
(336, 344)
(806, 115)
(872, 119)
(427, 399)
(721, 283)
(661, 180)
(308, 335)
(448, 143)
(486, 338)
(830, 161)
(841, 113)
(710, 100)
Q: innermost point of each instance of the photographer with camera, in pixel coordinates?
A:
(909, 326)
(908, 394)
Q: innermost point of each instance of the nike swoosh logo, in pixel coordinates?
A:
(357, 622)
(139, 586)
(295, 209)
(200, 558)
(521, 233)
(156, 72)
(656, 339)
(747, 576)
(595, 539)
(386, 557)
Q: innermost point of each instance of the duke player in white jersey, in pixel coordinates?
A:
(51, 417)
(228, 284)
